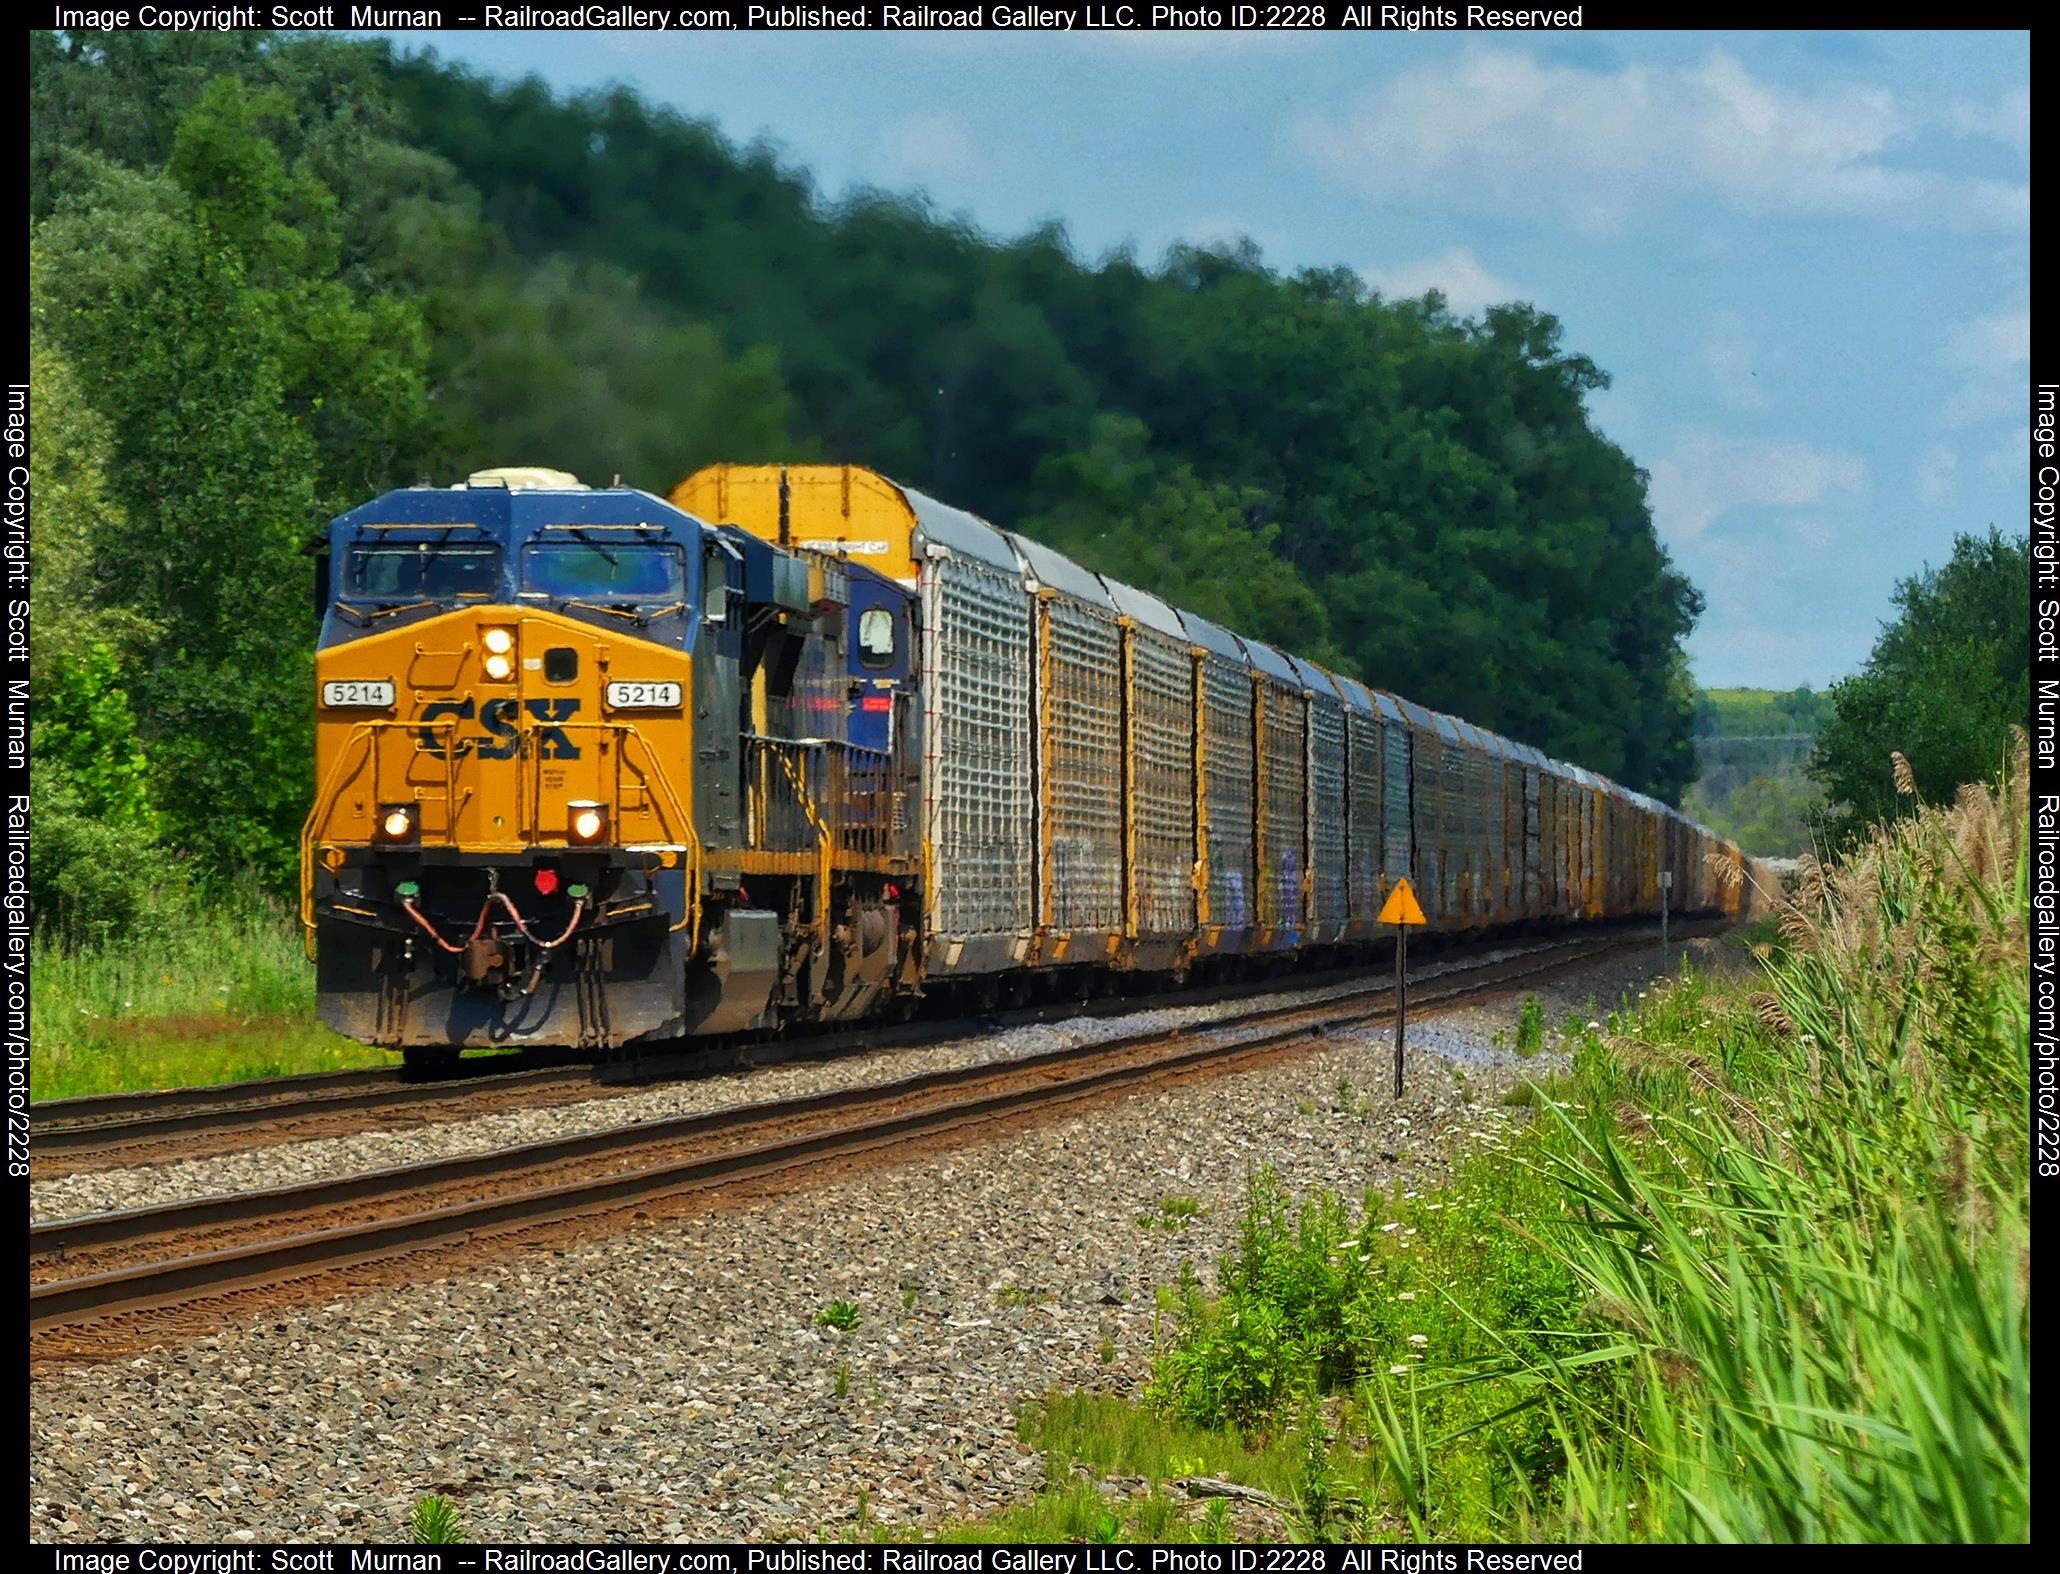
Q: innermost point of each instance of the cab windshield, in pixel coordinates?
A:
(425, 570)
(606, 571)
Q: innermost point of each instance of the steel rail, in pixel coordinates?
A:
(170, 1281)
(106, 1123)
(126, 1119)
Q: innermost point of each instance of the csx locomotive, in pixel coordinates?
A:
(801, 744)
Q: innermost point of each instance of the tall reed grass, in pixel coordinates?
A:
(1803, 1224)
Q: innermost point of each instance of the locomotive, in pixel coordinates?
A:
(800, 744)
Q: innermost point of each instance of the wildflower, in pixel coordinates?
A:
(1397, 1370)
(1595, 1024)
(1419, 1338)
(1392, 1224)
(1405, 1295)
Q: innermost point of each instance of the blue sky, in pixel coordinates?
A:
(1803, 257)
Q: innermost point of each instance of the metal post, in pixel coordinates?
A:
(1401, 998)
(1666, 885)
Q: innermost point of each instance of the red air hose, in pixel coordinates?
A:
(578, 908)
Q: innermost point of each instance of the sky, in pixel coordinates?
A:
(1803, 258)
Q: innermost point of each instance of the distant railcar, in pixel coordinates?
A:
(800, 744)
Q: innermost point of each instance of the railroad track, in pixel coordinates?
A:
(99, 1132)
(146, 1259)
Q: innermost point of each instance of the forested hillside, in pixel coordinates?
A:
(273, 276)
(1752, 747)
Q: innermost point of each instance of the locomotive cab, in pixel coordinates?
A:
(500, 847)
(584, 764)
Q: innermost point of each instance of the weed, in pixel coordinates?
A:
(1346, 1100)
(1107, 1349)
(908, 1297)
(1323, 1500)
(435, 1522)
(1530, 1028)
(1305, 1107)
(1523, 1096)
(843, 1384)
(840, 1315)
(1174, 1213)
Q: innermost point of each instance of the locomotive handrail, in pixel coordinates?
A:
(676, 819)
(366, 733)
(823, 851)
(325, 803)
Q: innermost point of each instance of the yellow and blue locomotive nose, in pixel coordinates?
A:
(501, 730)
(500, 845)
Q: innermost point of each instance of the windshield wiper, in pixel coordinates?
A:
(372, 615)
(579, 534)
(594, 606)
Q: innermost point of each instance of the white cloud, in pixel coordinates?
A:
(1990, 354)
(2006, 120)
(1468, 286)
(1937, 472)
(1502, 130)
(1707, 476)
(2004, 465)
(926, 146)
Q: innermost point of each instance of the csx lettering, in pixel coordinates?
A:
(501, 738)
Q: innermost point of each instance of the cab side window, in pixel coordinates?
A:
(876, 637)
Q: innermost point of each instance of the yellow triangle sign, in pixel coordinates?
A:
(1401, 907)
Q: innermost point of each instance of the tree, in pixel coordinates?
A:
(1947, 680)
(1207, 549)
(95, 860)
(249, 394)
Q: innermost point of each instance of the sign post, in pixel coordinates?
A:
(1404, 912)
(1666, 884)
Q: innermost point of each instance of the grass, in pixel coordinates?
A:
(1106, 1436)
(224, 997)
(840, 1315)
(1172, 1214)
(1756, 1270)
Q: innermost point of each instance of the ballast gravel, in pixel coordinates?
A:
(674, 1383)
(287, 1164)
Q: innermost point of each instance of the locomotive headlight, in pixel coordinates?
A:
(499, 641)
(498, 667)
(397, 822)
(587, 821)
